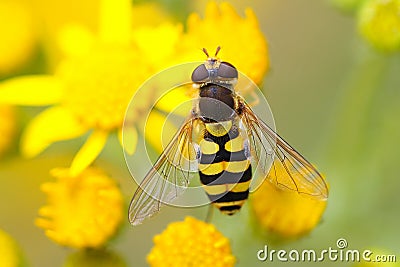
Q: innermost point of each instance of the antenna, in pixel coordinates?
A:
(217, 50)
(205, 52)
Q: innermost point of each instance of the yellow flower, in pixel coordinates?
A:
(191, 243)
(7, 127)
(379, 23)
(82, 211)
(93, 84)
(285, 212)
(94, 258)
(90, 89)
(11, 255)
(242, 41)
(18, 35)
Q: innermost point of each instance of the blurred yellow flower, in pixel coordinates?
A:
(18, 35)
(191, 243)
(52, 16)
(99, 74)
(83, 211)
(94, 258)
(7, 127)
(90, 89)
(379, 23)
(285, 212)
(11, 255)
(242, 41)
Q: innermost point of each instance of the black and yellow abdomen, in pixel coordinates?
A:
(224, 166)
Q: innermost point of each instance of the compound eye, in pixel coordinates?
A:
(227, 70)
(200, 74)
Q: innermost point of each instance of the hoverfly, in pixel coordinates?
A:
(228, 141)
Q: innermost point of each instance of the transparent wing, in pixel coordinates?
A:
(169, 177)
(277, 161)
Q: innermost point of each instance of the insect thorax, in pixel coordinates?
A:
(216, 103)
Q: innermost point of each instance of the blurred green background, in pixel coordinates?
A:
(333, 97)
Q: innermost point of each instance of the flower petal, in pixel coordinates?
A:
(32, 90)
(128, 139)
(159, 131)
(89, 151)
(8, 127)
(75, 40)
(178, 101)
(52, 125)
(212, 10)
(18, 36)
(229, 11)
(115, 21)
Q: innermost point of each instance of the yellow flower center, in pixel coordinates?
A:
(191, 243)
(82, 211)
(99, 85)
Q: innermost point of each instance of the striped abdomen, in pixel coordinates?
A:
(224, 168)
